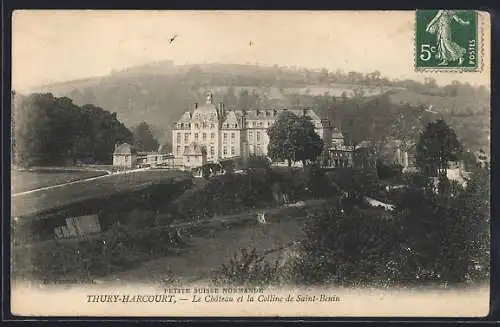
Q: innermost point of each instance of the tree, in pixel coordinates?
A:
(52, 131)
(293, 138)
(230, 99)
(244, 100)
(144, 139)
(438, 145)
(309, 144)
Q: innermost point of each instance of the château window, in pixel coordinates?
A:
(233, 136)
(196, 136)
(225, 136)
(196, 126)
(178, 149)
(212, 125)
(185, 148)
(178, 137)
(225, 150)
(254, 124)
(258, 136)
(212, 135)
(182, 125)
(227, 125)
(233, 151)
(204, 136)
(212, 151)
(250, 134)
(204, 125)
(186, 137)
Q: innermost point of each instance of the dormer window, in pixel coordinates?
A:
(196, 125)
(182, 125)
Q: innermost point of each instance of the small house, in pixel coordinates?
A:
(195, 156)
(340, 155)
(124, 156)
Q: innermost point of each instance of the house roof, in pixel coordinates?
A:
(124, 149)
(195, 149)
(337, 135)
(364, 145)
(163, 150)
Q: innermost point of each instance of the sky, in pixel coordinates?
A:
(53, 46)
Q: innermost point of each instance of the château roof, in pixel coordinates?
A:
(231, 119)
(262, 114)
(206, 113)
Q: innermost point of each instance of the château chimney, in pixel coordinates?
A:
(210, 98)
(195, 105)
(220, 109)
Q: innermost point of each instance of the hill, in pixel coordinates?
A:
(160, 92)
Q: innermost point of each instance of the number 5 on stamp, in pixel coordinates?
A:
(446, 39)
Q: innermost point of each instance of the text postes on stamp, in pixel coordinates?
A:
(446, 39)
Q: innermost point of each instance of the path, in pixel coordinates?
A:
(74, 182)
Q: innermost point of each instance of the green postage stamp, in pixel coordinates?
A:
(447, 40)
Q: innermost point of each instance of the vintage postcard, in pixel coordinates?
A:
(250, 163)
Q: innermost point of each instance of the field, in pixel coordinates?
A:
(43, 200)
(211, 248)
(29, 180)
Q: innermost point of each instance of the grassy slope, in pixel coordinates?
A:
(26, 180)
(49, 199)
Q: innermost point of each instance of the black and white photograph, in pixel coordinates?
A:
(250, 163)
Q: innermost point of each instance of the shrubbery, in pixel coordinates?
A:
(348, 247)
(259, 187)
(120, 248)
(247, 268)
(430, 239)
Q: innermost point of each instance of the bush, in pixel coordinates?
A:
(389, 171)
(348, 248)
(318, 183)
(429, 239)
(257, 162)
(359, 181)
(247, 269)
(120, 248)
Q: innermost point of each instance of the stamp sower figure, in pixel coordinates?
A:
(441, 26)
